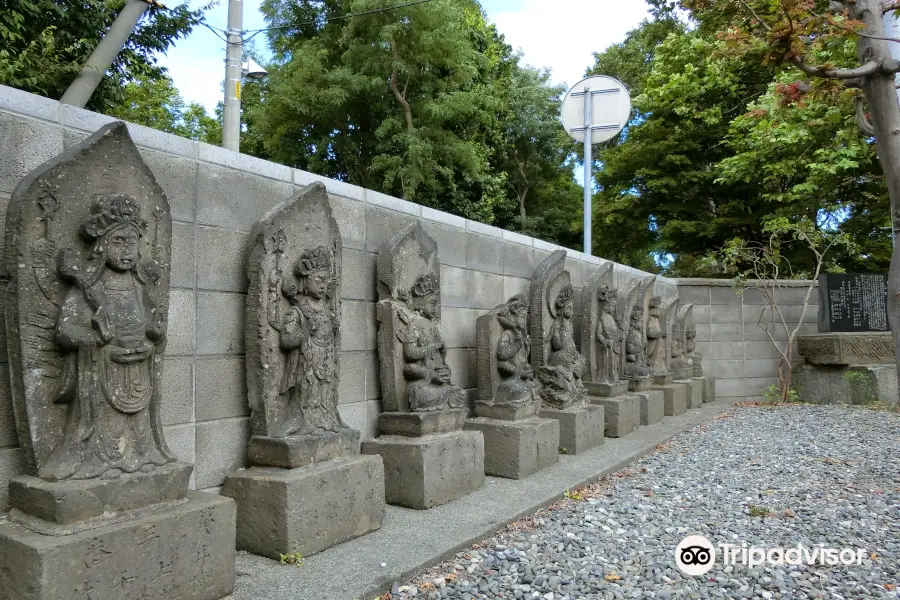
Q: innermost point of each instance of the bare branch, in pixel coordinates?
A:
(756, 16)
(865, 70)
(865, 126)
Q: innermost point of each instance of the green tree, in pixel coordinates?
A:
(43, 44)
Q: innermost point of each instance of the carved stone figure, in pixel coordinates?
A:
(505, 370)
(690, 347)
(658, 338)
(656, 334)
(292, 335)
(426, 371)
(637, 366)
(609, 335)
(88, 243)
(682, 362)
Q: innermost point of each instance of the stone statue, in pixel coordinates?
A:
(307, 329)
(682, 361)
(292, 335)
(426, 371)
(557, 362)
(690, 347)
(656, 334)
(517, 385)
(609, 335)
(636, 364)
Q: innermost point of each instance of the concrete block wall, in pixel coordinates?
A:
(735, 349)
(216, 196)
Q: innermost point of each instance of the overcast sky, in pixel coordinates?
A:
(559, 34)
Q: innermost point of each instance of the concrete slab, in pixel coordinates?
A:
(354, 570)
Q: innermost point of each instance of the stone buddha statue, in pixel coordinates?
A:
(637, 365)
(608, 335)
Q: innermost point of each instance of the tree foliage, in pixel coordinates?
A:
(43, 44)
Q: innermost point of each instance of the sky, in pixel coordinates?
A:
(558, 34)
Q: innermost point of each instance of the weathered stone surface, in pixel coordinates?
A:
(693, 389)
(666, 379)
(68, 502)
(621, 414)
(659, 321)
(847, 348)
(557, 363)
(607, 390)
(709, 389)
(601, 333)
(637, 364)
(88, 242)
(859, 384)
(185, 551)
(681, 363)
(292, 337)
(505, 379)
(640, 384)
(580, 427)
(431, 470)
(653, 406)
(415, 376)
(302, 450)
(516, 449)
(421, 423)
(307, 510)
(674, 398)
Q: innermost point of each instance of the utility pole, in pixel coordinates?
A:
(80, 90)
(231, 126)
(588, 186)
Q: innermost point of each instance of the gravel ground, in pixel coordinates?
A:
(767, 477)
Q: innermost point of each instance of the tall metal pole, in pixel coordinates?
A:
(588, 196)
(231, 126)
(82, 88)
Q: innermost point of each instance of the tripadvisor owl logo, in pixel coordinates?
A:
(695, 555)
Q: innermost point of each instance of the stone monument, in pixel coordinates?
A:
(308, 487)
(674, 394)
(429, 460)
(557, 363)
(690, 349)
(103, 509)
(517, 443)
(637, 362)
(601, 345)
(682, 364)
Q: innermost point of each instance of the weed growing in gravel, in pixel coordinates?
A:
(773, 396)
(761, 511)
(577, 495)
(293, 558)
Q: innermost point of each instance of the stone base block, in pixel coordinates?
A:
(516, 449)
(414, 424)
(653, 406)
(683, 373)
(430, 470)
(306, 510)
(709, 390)
(674, 398)
(606, 390)
(74, 500)
(621, 414)
(302, 450)
(863, 384)
(580, 427)
(693, 389)
(639, 385)
(185, 551)
(847, 348)
(506, 412)
(665, 379)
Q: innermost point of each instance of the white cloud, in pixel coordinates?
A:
(564, 34)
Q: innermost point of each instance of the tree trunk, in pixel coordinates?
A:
(522, 195)
(885, 117)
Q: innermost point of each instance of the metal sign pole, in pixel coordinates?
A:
(588, 196)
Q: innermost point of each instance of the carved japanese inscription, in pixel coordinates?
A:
(88, 237)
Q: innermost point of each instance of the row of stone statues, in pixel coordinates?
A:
(88, 243)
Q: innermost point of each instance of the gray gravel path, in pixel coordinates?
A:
(770, 477)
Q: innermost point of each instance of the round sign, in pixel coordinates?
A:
(610, 108)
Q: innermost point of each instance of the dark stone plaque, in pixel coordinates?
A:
(853, 302)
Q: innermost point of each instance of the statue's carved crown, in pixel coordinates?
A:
(607, 294)
(111, 211)
(655, 301)
(517, 304)
(691, 331)
(566, 296)
(312, 261)
(425, 285)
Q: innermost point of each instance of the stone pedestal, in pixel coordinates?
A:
(639, 385)
(606, 390)
(693, 389)
(709, 388)
(427, 471)
(414, 424)
(653, 406)
(621, 414)
(665, 379)
(302, 450)
(516, 449)
(307, 509)
(580, 427)
(856, 348)
(859, 384)
(674, 398)
(182, 549)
